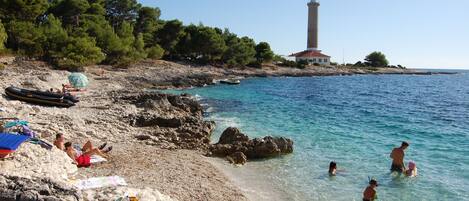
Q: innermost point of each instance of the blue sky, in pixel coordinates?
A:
(418, 34)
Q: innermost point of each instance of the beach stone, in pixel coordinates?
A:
(232, 135)
(237, 158)
(35, 189)
(143, 137)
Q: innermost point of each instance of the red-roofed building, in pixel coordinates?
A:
(312, 55)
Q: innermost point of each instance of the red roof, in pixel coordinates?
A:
(309, 53)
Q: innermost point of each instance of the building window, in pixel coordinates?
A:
(325, 60)
(310, 60)
(320, 60)
(314, 60)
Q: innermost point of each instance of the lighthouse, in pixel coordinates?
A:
(312, 54)
(313, 14)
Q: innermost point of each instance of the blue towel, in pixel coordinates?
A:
(11, 141)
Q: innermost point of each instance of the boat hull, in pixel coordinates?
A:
(39, 97)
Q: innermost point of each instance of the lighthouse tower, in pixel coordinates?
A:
(312, 54)
(313, 14)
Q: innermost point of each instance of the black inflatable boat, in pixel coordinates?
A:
(41, 97)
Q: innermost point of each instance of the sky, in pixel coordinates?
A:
(415, 33)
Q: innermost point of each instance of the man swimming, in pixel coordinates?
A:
(397, 156)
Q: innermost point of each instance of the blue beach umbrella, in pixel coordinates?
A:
(78, 80)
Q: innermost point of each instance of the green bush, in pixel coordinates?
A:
(75, 33)
(376, 59)
(3, 36)
(301, 64)
(26, 38)
(78, 52)
(155, 52)
(264, 53)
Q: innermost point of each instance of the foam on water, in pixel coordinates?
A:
(356, 121)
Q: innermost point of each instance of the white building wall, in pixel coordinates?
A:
(313, 60)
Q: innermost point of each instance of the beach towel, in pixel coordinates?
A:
(10, 141)
(95, 159)
(99, 182)
(11, 124)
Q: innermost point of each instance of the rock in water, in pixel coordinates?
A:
(237, 158)
(269, 147)
(232, 135)
(232, 142)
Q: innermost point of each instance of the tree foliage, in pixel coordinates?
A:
(376, 59)
(73, 33)
(155, 52)
(240, 51)
(26, 38)
(3, 36)
(169, 35)
(22, 10)
(79, 51)
(263, 52)
(119, 11)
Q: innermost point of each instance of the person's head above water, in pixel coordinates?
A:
(405, 144)
(412, 165)
(332, 166)
(373, 182)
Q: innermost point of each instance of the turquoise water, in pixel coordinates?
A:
(355, 121)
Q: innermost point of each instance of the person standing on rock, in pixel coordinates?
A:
(397, 156)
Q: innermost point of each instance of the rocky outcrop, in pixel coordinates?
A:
(13, 188)
(171, 121)
(237, 158)
(232, 142)
(232, 135)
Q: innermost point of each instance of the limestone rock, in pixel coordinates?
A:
(232, 135)
(17, 188)
(237, 158)
(233, 141)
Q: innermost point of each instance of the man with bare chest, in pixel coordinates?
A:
(397, 156)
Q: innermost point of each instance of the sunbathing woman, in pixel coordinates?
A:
(83, 157)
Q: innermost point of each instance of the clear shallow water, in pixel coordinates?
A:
(355, 121)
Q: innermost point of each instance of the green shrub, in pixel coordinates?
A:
(77, 53)
(301, 64)
(376, 59)
(155, 52)
(26, 38)
(3, 36)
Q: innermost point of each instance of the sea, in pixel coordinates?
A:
(355, 121)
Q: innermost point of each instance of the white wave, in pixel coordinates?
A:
(225, 122)
(198, 97)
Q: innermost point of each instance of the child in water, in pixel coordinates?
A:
(412, 171)
(332, 168)
(370, 193)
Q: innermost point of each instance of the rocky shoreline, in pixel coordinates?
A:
(160, 141)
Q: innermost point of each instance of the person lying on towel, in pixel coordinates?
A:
(82, 156)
